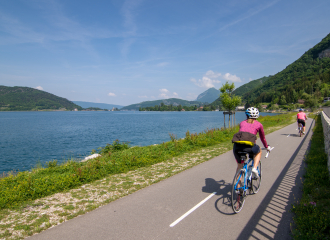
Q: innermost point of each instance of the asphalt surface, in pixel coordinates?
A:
(148, 213)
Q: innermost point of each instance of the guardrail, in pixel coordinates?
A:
(326, 131)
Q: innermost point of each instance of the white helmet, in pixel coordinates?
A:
(252, 112)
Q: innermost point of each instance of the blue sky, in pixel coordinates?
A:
(128, 51)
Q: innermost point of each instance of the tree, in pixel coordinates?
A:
(227, 98)
(283, 100)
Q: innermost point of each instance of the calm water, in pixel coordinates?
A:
(31, 137)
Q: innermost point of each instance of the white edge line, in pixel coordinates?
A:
(191, 210)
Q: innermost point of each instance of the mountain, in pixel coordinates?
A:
(26, 99)
(240, 91)
(96, 105)
(307, 78)
(209, 96)
(170, 101)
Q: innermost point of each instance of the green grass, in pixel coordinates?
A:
(312, 212)
(18, 190)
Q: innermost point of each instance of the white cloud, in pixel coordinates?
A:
(39, 88)
(111, 94)
(210, 78)
(250, 79)
(232, 78)
(163, 90)
(212, 74)
(166, 94)
(142, 96)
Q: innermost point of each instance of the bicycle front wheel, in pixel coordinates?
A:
(256, 182)
(237, 193)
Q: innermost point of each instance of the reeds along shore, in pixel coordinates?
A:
(17, 189)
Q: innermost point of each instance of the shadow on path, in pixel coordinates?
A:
(223, 189)
(291, 135)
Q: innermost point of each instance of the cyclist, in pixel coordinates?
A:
(245, 139)
(301, 117)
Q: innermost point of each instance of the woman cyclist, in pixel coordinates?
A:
(301, 117)
(245, 139)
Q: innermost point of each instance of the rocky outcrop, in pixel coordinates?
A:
(325, 53)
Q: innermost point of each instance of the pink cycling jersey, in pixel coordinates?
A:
(254, 128)
(301, 115)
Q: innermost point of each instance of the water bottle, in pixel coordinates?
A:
(249, 174)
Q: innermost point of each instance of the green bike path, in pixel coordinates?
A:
(195, 204)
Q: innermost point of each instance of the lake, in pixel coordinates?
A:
(28, 138)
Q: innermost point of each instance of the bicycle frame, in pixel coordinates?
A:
(247, 182)
(300, 127)
(246, 178)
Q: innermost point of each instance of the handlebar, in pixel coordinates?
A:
(268, 151)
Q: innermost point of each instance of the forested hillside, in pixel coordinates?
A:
(174, 102)
(307, 78)
(240, 91)
(96, 105)
(26, 99)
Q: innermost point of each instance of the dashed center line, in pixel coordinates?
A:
(191, 210)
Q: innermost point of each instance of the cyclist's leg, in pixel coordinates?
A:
(238, 160)
(257, 155)
(257, 158)
(303, 126)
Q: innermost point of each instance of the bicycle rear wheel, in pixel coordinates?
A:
(237, 196)
(256, 182)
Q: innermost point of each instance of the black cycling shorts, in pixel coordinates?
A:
(252, 150)
(302, 122)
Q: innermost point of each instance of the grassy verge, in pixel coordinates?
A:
(312, 213)
(72, 189)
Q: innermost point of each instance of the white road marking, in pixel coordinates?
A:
(191, 210)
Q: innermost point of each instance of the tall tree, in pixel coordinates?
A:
(228, 99)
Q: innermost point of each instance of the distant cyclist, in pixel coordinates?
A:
(301, 117)
(245, 139)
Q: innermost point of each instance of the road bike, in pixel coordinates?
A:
(244, 181)
(300, 129)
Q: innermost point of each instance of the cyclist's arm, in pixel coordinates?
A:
(262, 136)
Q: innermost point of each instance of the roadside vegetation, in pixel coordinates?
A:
(35, 200)
(312, 212)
